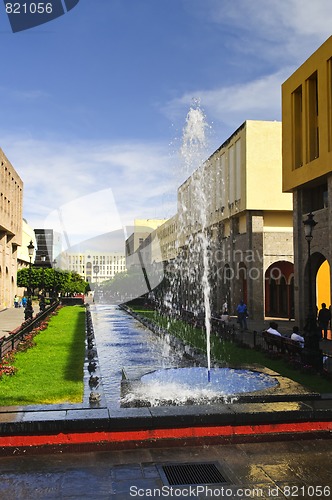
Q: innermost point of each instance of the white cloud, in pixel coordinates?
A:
(294, 25)
(254, 100)
(274, 36)
(85, 218)
(23, 95)
(55, 174)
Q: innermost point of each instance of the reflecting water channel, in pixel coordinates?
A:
(123, 342)
(153, 367)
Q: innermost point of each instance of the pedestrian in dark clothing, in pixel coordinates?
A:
(28, 311)
(324, 318)
(242, 314)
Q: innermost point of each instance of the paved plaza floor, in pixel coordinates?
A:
(277, 470)
(10, 319)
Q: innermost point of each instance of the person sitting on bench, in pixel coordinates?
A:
(296, 336)
(274, 329)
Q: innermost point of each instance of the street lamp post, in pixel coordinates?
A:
(54, 280)
(96, 271)
(43, 260)
(313, 354)
(28, 308)
(42, 295)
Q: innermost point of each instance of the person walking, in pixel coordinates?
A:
(242, 314)
(16, 301)
(324, 318)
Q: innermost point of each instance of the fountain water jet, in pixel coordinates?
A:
(193, 152)
(194, 240)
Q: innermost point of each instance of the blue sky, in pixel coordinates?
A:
(97, 99)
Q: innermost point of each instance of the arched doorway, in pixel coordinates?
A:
(279, 290)
(323, 285)
(320, 279)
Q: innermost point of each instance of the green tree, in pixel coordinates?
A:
(51, 280)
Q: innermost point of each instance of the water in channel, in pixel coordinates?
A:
(122, 342)
(163, 373)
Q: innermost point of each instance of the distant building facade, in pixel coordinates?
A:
(141, 231)
(49, 245)
(11, 201)
(96, 266)
(307, 171)
(248, 224)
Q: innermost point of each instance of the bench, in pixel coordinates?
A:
(283, 345)
(292, 347)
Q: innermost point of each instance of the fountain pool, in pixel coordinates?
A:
(183, 386)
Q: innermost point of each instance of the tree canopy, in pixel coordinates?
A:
(51, 280)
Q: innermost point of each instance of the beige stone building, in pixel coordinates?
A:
(96, 266)
(307, 172)
(248, 223)
(23, 259)
(11, 196)
(140, 238)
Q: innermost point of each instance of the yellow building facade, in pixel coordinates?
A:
(307, 171)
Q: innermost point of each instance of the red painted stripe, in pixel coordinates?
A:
(161, 434)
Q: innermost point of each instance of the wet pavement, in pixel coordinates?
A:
(284, 469)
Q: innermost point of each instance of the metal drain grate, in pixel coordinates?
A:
(193, 473)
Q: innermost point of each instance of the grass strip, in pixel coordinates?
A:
(234, 355)
(52, 371)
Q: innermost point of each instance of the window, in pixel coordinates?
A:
(238, 169)
(297, 136)
(329, 99)
(312, 129)
(231, 174)
(316, 198)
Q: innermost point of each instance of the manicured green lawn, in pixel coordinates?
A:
(235, 355)
(52, 370)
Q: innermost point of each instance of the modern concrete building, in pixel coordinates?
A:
(48, 246)
(307, 171)
(11, 197)
(247, 221)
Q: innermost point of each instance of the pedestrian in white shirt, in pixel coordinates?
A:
(274, 329)
(296, 336)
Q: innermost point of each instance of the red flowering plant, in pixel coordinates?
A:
(27, 341)
(5, 367)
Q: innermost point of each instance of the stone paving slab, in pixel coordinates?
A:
(10, 319)
(279, 470)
